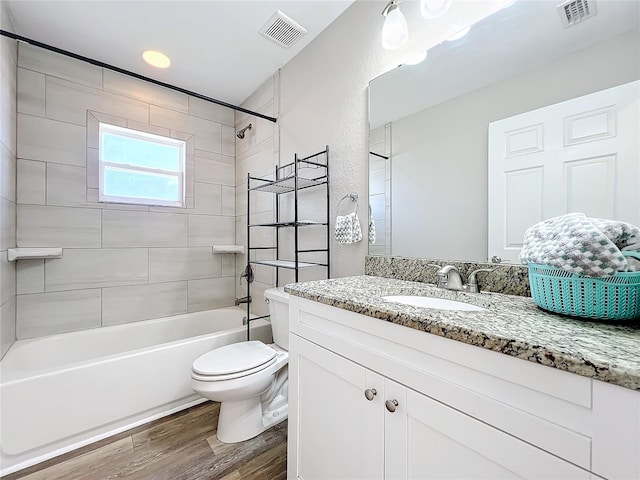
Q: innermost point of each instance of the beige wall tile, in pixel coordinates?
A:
(7, 224)
(228, 146)
(8, 325)
(228, 201)
(50, 313)
(89, 268)
(7, 173)
(8, 90)
(211, 293)
(30, 276)
(66, 185)
(142, 302)
(143, 229)
(32, 182)
(147, 92)
(46, 226)
(211, 111)
(214, 168)
(8, 278)
(69, 102)
(207, 134)
(208, 199)
(31, 97)
(174, 264)
(51, 141)
(207, 230)
(57, 65)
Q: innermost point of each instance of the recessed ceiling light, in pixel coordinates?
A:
(156, 59)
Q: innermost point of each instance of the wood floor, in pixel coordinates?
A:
(182, 446)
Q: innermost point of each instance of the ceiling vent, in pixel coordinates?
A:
(576, 11)
(282, 30)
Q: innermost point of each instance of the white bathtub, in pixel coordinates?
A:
(61, 392)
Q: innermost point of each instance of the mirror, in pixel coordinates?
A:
(429, 122)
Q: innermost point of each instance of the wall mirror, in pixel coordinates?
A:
(428, 123)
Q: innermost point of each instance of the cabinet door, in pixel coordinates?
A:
(444, 443)
(340, 434)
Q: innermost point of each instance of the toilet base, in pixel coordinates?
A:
(244, 419)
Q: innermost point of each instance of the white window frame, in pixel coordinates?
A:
(148, 137)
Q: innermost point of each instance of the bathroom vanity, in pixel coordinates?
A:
(380, 389)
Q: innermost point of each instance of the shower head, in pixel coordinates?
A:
(240, 133)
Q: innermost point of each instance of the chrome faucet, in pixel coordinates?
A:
(472, 286)
(449, 278)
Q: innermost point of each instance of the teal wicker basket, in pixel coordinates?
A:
(611, 298)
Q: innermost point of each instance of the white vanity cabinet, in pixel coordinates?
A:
(441, 408)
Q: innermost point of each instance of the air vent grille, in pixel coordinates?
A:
(576, 11)
(282, 30)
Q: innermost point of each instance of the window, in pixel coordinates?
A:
(139, 167)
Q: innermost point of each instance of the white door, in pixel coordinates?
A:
(443, 443)
(340, 433)
(581, 155)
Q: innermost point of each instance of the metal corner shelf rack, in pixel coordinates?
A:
(287, 180)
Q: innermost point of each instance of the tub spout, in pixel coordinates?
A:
(243, 300)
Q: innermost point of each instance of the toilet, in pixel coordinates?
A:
(249, 379)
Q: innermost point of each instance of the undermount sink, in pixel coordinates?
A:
(432, 302)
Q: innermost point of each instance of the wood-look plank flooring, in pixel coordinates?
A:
(182, 446)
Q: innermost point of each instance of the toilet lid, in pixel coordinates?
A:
(234, 358)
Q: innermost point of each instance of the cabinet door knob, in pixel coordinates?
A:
(391, 405)
(369, 393)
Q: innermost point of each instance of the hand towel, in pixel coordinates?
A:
(348, 228)
(577, 244)
(372, 228)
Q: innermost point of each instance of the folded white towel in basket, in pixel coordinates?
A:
(348, 229)
(577, 244)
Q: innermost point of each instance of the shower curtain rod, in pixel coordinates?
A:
(98, 63)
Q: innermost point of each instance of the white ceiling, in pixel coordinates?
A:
(214, 46)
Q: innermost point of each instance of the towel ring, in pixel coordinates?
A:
(353, 196)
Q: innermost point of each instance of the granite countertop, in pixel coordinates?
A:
(512, 325)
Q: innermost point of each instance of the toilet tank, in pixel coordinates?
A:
(279, 312)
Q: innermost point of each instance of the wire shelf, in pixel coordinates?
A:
(286, 185)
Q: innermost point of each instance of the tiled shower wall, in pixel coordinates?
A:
(258, 154)
(121, 263)
(8, 58)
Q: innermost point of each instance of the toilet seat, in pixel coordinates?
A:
(233, 361)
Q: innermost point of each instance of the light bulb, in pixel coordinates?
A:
(431, 9)
(395, 32)
(156, 59)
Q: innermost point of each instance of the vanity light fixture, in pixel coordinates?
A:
(156, 59)
(395, 32)
(459, 34)
(431, 9)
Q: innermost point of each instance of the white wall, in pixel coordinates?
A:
(121, 263)
(8, 60)
(324, 100)
(445, 147)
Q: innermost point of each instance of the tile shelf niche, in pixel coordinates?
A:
(228, 249)
(14, 254)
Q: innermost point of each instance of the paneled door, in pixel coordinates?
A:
(582, 155)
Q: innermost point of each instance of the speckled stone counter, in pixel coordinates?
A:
(504, 277)
(511, 324)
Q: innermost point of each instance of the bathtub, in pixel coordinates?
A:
(61, 392)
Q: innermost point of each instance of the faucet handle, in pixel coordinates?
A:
(473, 282)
